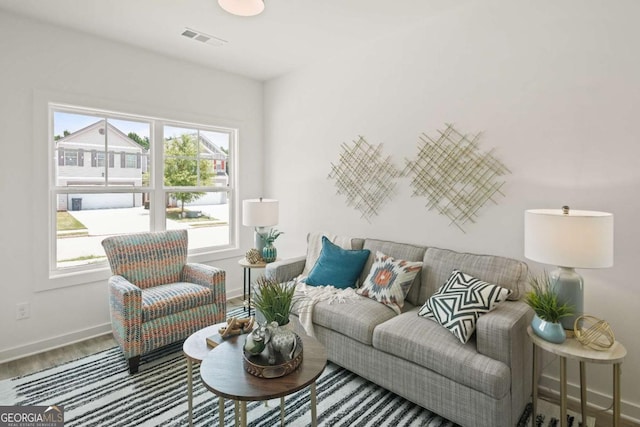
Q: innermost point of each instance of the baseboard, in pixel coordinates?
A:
(597, 401)
(36, 347)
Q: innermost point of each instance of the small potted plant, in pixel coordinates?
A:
(274, 300)
(548, 311)
(269, 252)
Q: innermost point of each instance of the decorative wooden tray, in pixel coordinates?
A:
(258, 365)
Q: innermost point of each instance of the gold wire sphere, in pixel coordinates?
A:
(593, 332)
(253, 256)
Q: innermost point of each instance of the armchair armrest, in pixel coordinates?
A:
(213, 278)
(125, 303)
(285, 270)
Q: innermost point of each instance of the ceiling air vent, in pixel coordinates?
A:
(203, 38)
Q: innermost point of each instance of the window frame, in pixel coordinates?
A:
(155, 187)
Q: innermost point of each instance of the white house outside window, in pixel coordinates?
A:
(115, 175)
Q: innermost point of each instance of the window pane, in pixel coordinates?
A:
(181, 167)
(129, 150)
(217, 144)
(204, 214)
(77, 139)
(100, 158)
(90, 155)
(84, 220)
(195, 157)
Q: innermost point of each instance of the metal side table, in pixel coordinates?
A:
(572, 349)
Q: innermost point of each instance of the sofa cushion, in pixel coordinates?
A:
(336, 266)
(459, 303)
(389, 280)
(398, 251)
(354, 318)
(163, 300)
(439, 263)
(427, 344)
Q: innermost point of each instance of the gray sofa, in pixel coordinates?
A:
(485, 382)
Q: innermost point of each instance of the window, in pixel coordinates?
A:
(141, 174)
(70, 158)
(99, 163)
(130, 161)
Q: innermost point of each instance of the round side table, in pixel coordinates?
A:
(572, 349)
(195, 349)
(246, 287)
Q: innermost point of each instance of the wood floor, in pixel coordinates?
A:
(58, 356)
(71, 352)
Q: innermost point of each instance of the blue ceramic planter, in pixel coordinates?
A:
(552, 332)
(269, 253)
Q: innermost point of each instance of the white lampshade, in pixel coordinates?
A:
(242, 7)
(259, 212)
(577, 239)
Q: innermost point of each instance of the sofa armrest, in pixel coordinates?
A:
(213, 278)
(125, 304)
(501, 333)
(285, 270)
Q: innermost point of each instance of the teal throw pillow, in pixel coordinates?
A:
(336, 266)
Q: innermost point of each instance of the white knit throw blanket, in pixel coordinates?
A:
(308, 296)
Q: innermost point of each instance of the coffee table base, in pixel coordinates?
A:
(240, 410)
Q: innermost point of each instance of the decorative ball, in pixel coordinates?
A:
(593, 332)
(253, 256)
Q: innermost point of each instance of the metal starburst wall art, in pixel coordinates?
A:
(455, 176)
(364, 177)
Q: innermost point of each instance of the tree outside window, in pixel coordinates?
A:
(186, 166)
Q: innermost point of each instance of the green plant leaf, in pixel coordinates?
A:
(544, 301)
(274, 300)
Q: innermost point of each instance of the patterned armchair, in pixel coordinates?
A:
(156, 298)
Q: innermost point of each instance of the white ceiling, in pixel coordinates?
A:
(287, 35)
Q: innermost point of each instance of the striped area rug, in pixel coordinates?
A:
(97, 390)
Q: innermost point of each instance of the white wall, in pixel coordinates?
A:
(555, 88)
(41, 63)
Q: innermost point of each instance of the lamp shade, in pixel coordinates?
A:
(242, 7)
(259, 212)
(569, 238)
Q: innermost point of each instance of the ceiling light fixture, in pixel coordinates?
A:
(242, 7)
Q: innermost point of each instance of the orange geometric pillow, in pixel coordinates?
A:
(389, 280)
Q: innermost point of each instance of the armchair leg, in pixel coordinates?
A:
(134, 362)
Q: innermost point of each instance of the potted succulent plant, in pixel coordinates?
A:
(548, 310)
(274, 300)
(269, 252)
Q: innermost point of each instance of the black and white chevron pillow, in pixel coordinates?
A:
(459, 303)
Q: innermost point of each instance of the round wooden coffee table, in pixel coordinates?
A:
(223, 373)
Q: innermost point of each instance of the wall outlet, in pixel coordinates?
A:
(23, 310)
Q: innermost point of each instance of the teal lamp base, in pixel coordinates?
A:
(569, 287)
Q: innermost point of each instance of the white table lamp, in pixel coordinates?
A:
(259, 213)
(569, 239)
